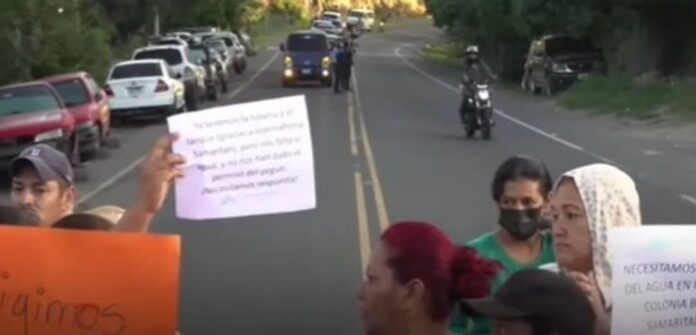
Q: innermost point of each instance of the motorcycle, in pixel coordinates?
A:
(480, 114)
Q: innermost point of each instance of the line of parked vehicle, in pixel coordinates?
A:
(74, 114)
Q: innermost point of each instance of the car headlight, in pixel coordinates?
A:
(49, 135)
(288, 61)
(288, 73)
(561, 68)
(484, 95)
(326, 62)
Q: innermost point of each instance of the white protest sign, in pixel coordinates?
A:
(247, 159)
(654, 281)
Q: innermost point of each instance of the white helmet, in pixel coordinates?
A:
(473, 49)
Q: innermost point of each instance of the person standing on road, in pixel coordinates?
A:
(335, 50)
(43, 184)
(586, 204)
(414, 277)
(520, 189)
(536, 302)
(342, 60)
(350, 50)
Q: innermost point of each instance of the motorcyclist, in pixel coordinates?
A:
(475, 70)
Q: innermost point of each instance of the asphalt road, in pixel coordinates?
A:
(391, 150)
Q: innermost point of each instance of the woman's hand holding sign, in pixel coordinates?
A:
(588, 284)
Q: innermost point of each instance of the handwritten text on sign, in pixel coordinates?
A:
(654, 285)
(66, 282)
(247, 159)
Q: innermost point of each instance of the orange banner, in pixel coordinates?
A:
(72, 282)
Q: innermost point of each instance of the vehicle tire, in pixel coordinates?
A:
(72, 150)
(536, 90)
(287, 83)
(91, 153)
(548, 89)
(225, 86)
(191, 97)
(213, 95)
(183, 109)
(327, 82)
(486, 130)
(469, 127)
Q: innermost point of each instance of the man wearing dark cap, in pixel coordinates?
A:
(536, 302)
(42, 182)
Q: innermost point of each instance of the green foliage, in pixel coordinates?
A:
(504, 28)
(624, 97)
(47, 37)
(291, 7)
(444, 55)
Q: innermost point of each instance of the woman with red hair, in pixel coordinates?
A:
(414, 278)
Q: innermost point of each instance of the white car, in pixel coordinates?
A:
(144, 88)
(335, 18)
(326, 27)
(235, 48)
(180, 34)
(168, 41)
(184, 67)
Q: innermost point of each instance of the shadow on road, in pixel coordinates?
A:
(139, 122)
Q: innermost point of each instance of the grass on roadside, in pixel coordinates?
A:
(445, 55)
(626, 98)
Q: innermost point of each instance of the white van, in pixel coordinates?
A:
(366, 17)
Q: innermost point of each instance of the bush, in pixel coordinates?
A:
(625, 97)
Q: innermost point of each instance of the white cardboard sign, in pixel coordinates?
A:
(654, 280)
(244, 160)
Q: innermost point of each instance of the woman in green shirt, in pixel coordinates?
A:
(520, 188)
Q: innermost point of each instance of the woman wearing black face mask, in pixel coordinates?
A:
(520, 188)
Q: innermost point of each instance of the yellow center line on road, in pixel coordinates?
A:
(363, 226)
(364, 240)
(351, 123)
(382, 214)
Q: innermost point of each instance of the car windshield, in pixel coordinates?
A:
(569, 45)
(199, 54)
(323, 25)
(168, 42)
(357, 14)
(27, 100)
(171, 56)
(307, 42)
(331, 17)
(218, 45)
(136, 71)
(72, 92)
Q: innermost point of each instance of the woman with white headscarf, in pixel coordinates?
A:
(588, 202)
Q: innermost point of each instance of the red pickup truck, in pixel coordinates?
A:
(33, 113)
(88, 104)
